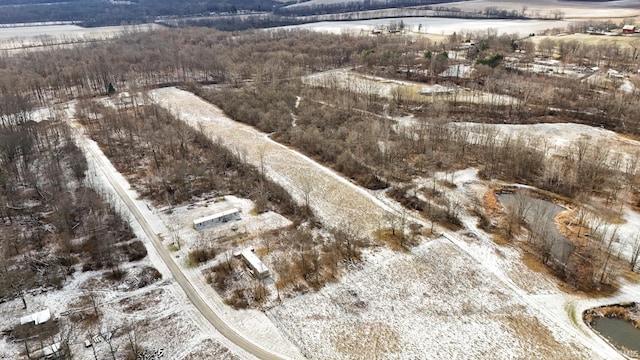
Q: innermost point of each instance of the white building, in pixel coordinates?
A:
(259, 269)
(216, 219)
(38, 318)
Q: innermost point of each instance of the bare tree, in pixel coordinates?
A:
(307, 188)
(174, 234)
(635, 252)
(607, 253)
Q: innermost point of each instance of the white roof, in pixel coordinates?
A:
(251, 257)
(51, 349)
(629, 27)
(38, 318)
(215, 216)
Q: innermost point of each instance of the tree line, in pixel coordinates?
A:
(93, 13)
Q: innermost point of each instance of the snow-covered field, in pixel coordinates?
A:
(571, 9)
(575, 10)
(434, 25)
(49, 35)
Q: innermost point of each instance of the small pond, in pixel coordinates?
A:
(620, 332)
(561, 246)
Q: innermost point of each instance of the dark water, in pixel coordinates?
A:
(620, 332)
(542, 213)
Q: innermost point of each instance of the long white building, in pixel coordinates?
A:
(216, 219)
(260, 271)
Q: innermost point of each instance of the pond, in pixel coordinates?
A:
(620, 332)
(560, 245)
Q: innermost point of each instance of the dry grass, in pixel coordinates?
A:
(534, 264)
(570, 228)
(394, 241)
(490, 203)
(631, 276)
(500, 239)
(629, 312)
(540, 342)
(373, 340)
(133, 304)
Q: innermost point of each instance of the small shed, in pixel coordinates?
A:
(628, 29)
(216, 219)
(51, 351)
(259, 269)
(37, 318)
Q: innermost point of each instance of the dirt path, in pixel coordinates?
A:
(333, 198)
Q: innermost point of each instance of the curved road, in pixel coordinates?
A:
(177, 273)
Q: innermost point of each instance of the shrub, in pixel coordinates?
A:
(200, 256)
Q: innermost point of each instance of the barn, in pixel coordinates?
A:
(216, 219)
(628, 29)
(260, 271)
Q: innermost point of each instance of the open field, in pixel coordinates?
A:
(623, 41)
(434, 297)
(48, 35)
(435, 25)
(573, 10)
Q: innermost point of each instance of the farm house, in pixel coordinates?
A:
(260, 271)
(216, 219)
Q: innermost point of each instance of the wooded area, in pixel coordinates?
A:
(52, 217)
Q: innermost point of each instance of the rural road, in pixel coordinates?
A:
(177, 273)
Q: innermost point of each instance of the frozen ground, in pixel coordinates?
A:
(458, 296)
(157, 314)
